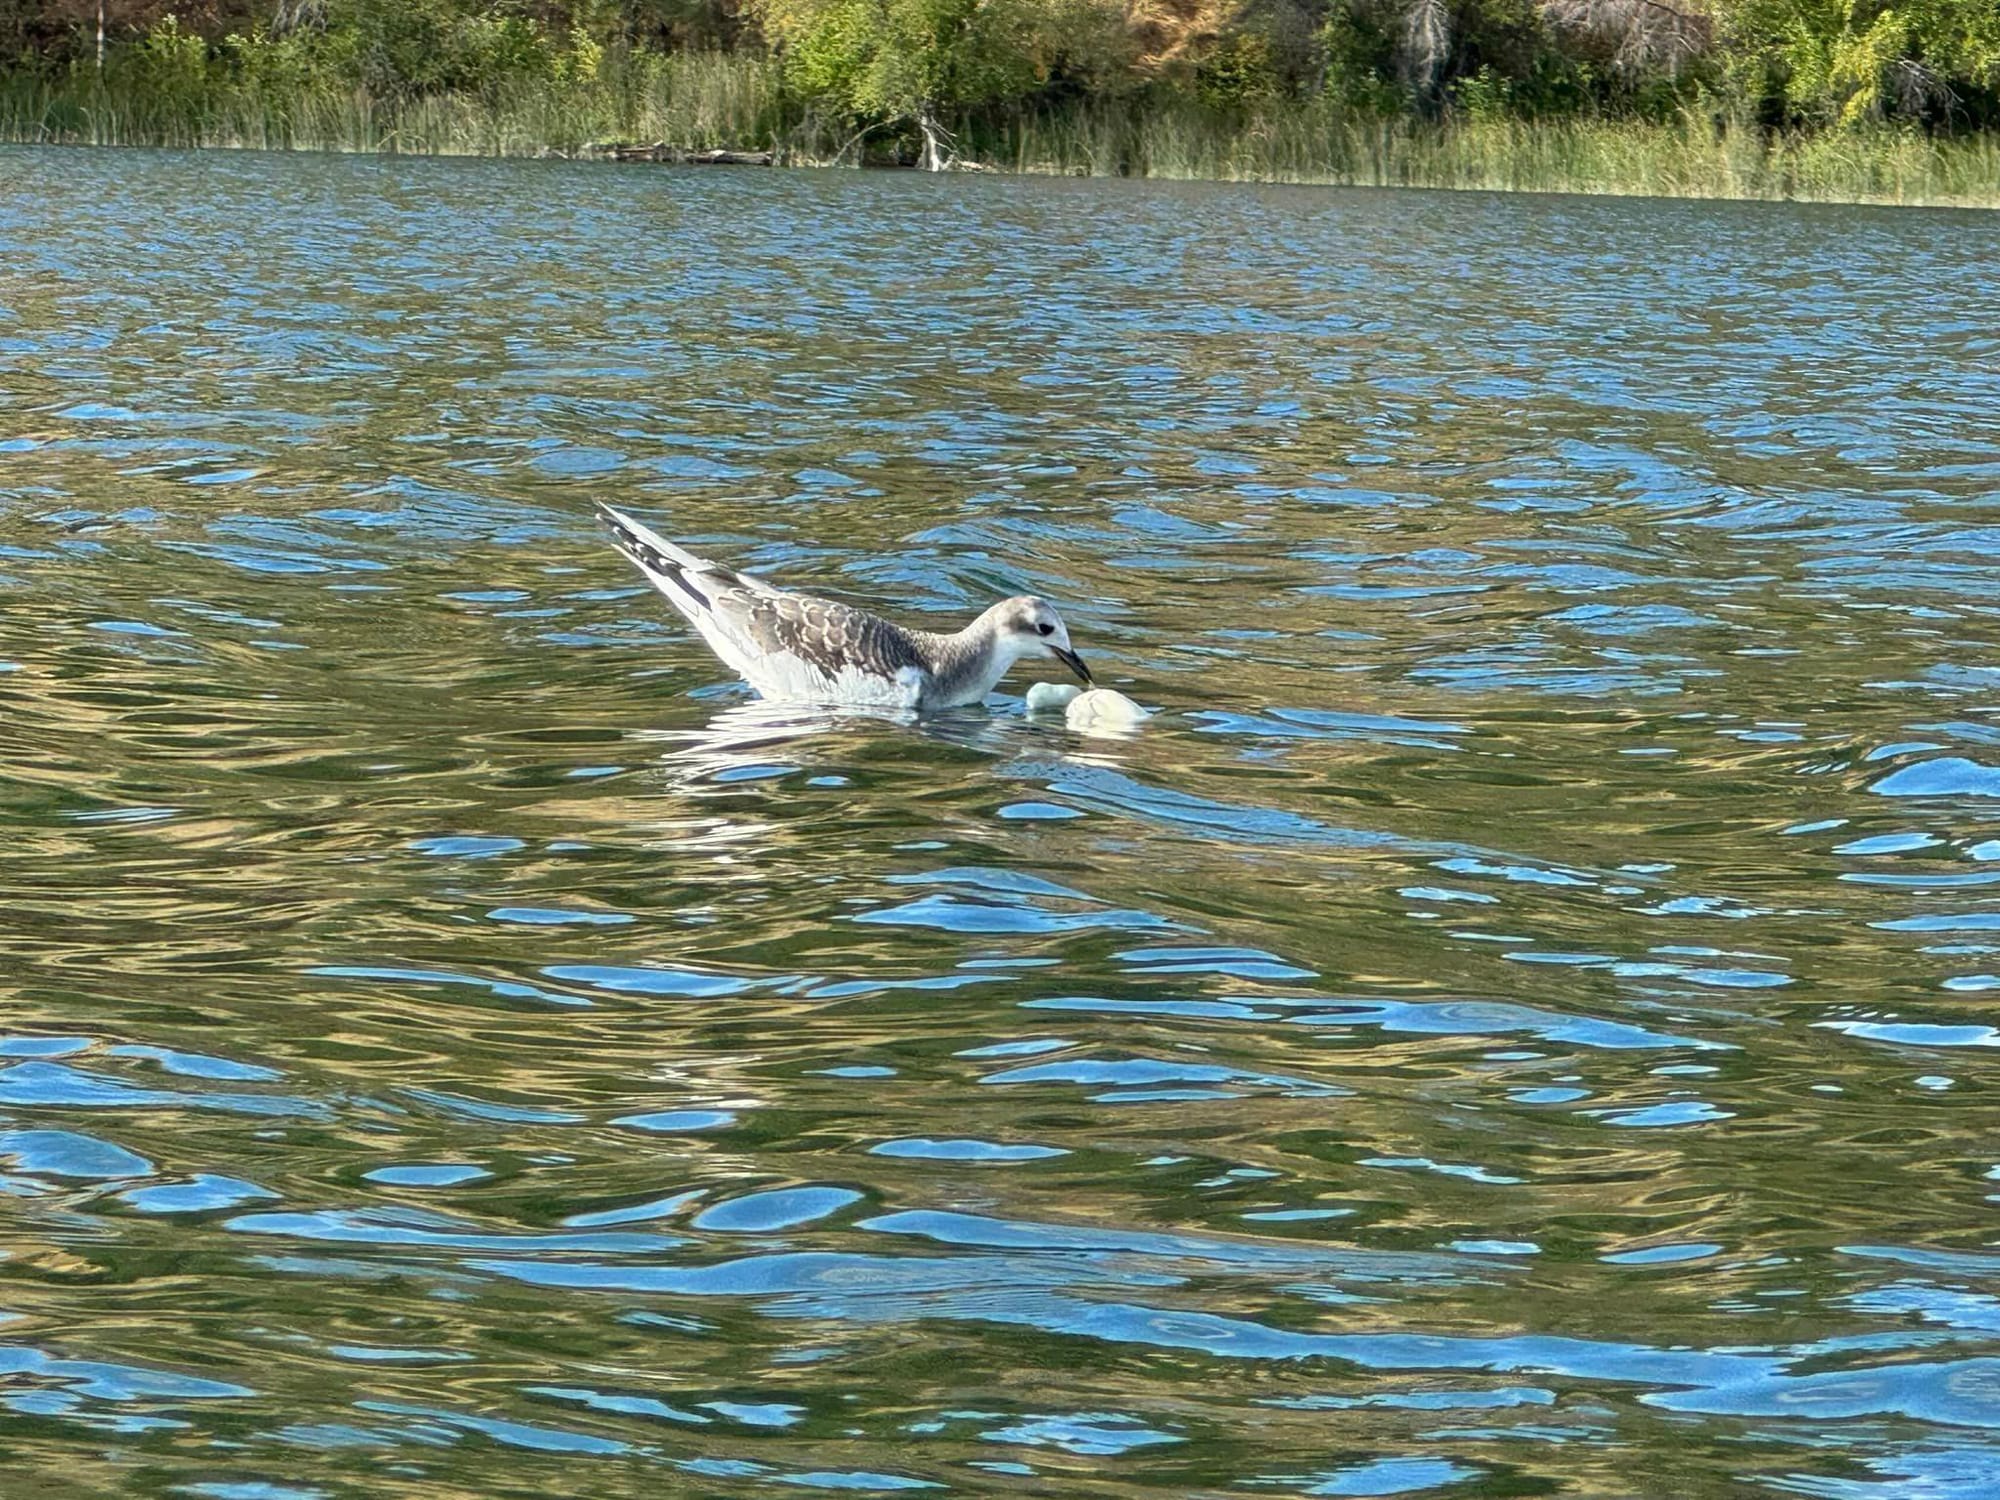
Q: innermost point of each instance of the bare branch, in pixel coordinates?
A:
(1645, 34)
(940, 153)
(298, 15)
(1426, 43)
(1919, 91)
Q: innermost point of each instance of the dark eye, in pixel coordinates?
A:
(1045, 628)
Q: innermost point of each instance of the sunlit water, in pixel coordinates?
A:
(1521, 1020)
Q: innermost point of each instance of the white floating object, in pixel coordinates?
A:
(1047, 697)
(1103, 711)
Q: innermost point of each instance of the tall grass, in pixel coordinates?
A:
(1689, 158)
(686, 99)
(697, 100)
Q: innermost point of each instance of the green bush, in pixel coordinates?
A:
(1847, 63)
(1238, 72)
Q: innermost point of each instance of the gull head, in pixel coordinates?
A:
(1028, 626)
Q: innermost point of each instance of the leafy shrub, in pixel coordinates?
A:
(1237, 72)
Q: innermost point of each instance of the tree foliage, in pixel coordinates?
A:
(920, 64)
(888, 59)
(1852, 61)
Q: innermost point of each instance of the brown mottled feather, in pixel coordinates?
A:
(825, 635)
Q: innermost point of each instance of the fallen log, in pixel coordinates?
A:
(728, 158)
(660, 151)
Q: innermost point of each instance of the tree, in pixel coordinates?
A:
(885, 62)
(1853, 61)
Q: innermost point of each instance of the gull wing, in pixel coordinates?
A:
(785, 645)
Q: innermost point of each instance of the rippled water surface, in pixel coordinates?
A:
(1521, 1021)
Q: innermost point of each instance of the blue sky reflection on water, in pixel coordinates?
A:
(1516, 1022)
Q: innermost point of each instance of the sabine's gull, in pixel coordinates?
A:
(799, 649)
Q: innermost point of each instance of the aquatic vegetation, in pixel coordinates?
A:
(1683, 158)
(694, 99)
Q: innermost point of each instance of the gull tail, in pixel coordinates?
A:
(673, 570)
(708, 596)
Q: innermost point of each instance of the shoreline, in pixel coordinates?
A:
(1553, 187)
(732, 111)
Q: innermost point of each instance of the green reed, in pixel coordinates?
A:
(700, 100)
(691, 99)
(1695, 159)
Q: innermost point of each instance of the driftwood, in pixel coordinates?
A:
(940, 149)
(660, 151)
(939, 154)
(727, 158)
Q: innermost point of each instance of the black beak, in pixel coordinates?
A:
(1074, 662)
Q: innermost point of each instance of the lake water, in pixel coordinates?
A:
(1521, 1021)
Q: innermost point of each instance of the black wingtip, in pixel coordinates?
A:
(650, 559)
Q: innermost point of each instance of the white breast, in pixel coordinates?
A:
(786, 678)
